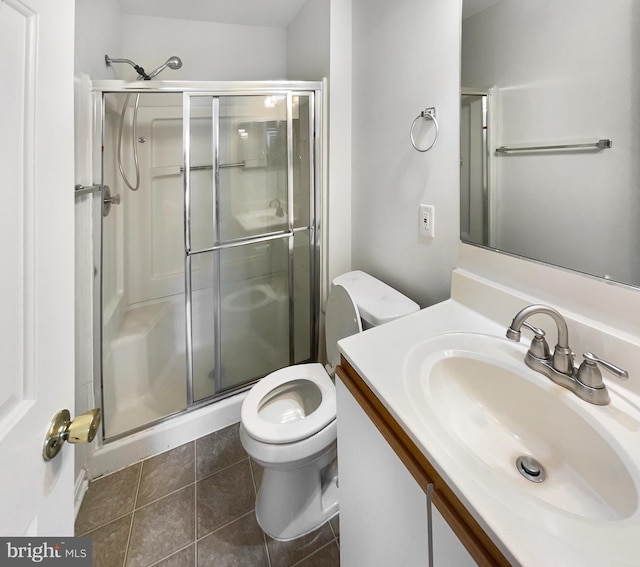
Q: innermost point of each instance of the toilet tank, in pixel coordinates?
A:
(377, 302)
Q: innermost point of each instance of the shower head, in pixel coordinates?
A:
(174, 62)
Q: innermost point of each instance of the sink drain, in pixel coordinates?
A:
(530, 469)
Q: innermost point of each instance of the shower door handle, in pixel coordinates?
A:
(82, 190)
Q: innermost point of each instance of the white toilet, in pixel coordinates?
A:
(288, 419)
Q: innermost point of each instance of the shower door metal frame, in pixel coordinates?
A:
(288, 233)
(219, 88)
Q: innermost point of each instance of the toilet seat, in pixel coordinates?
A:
(288, 432)
(299, 422)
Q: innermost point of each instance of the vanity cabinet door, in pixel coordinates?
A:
(384, 481)
(448, 550)
(383, 511)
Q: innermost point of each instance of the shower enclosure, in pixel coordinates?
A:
(210, 268)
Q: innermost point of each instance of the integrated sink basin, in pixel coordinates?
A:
(468, 408)
(474, 394)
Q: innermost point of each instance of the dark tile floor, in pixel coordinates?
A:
(192, 506)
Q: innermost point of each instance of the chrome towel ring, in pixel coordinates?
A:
(427, 114)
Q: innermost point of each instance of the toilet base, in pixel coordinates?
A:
(293, 502)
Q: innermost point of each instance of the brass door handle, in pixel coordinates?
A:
(82, 429)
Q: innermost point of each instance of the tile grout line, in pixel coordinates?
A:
(136, 508)
(225, 526)
(194, 485)
(198, 540)
(266, 547)
(135, 499)
(253, 479)
(105, 524)
(223, 469)
(255, 492)
(111, 520)
(195, 482)
(335, 535)
(165, 496)
(171, 554)
(313, 553)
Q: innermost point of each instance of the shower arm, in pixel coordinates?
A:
(140, 70)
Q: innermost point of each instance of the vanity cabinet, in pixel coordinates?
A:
(383, 493)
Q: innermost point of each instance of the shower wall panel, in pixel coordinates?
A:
(154, 225)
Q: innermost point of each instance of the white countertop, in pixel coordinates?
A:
(529, 531)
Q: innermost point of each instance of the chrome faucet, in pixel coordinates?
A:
(584, 381)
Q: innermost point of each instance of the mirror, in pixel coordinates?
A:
(550, 142)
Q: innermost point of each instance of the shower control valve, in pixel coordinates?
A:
(109, 200)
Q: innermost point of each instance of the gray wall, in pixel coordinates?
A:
(406, 57)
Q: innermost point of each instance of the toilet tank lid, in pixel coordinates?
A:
(377, 302)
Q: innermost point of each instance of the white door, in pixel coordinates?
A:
(36, 262)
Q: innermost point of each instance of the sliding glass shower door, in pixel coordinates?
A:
(209, 252)
(248, 188)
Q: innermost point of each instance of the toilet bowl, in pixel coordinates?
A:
(288, 420)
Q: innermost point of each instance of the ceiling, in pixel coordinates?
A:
(472, 7)
(269, 13)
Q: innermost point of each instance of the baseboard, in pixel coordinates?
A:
(80, 489)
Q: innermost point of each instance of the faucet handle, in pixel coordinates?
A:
(539, 346)
(589, 373)
(538, 332)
